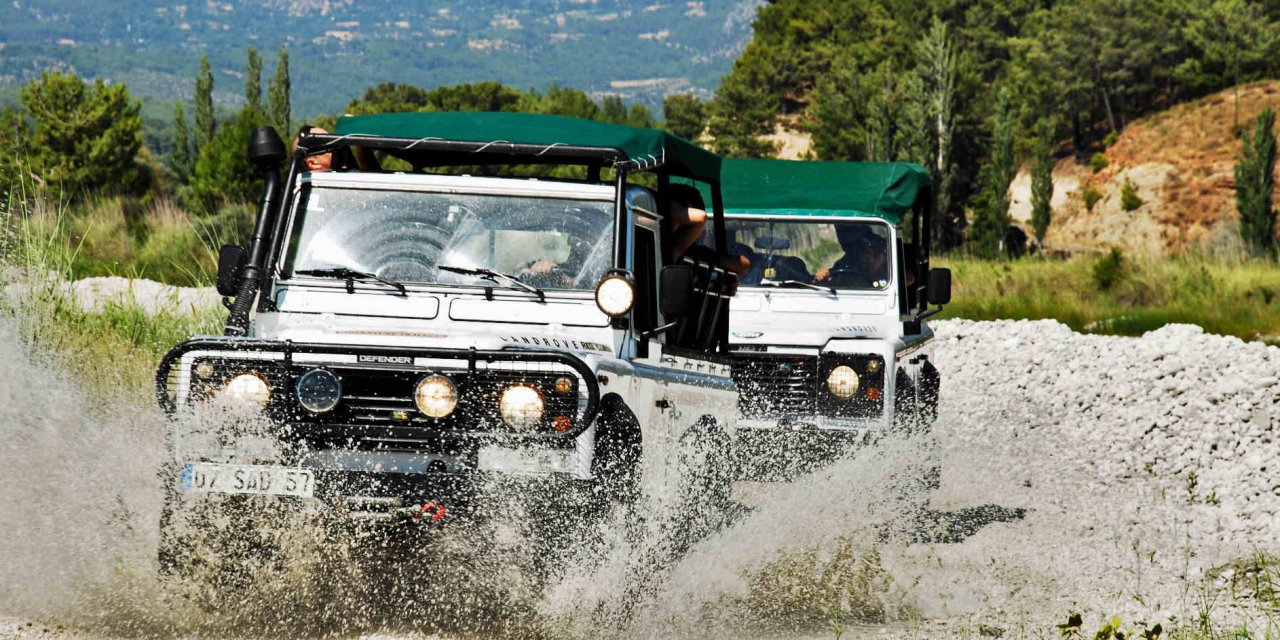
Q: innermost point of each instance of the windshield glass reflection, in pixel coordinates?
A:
(552, 243)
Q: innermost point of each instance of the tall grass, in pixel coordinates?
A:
(114, 349)
(1238, 297)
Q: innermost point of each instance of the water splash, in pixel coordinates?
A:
(865, 545)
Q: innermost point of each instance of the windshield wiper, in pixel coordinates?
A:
(797, 283)
(351, 275)
(493, 276)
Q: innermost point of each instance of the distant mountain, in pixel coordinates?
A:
(338, 48)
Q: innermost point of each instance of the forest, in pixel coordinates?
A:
(971, 89)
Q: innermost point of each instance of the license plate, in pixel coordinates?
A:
(206, 477)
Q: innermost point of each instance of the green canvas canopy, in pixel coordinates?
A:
(794, 187)
(489, 136)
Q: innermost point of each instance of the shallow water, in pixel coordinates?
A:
(1032, 521)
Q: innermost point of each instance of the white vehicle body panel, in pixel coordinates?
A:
(667, 393)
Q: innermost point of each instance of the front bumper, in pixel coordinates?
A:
(782, 449)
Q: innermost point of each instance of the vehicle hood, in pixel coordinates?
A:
(809, 320)
(349, 330)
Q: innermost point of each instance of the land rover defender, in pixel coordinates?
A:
(828, 331)
(404, 331)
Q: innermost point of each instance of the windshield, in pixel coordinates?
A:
(840, 255)
(406, 236)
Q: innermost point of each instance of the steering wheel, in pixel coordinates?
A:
(847, 278)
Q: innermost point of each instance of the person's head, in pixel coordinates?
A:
(320, 161)
(863, 245)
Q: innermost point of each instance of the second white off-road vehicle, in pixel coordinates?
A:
(828, 330)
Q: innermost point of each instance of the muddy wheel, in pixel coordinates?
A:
(616, 465)
(906, 412)
(930, 385)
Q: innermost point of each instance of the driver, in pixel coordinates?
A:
(865, 262)
(546, 272)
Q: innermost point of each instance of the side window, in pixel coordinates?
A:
(645, 315)
(642, 199)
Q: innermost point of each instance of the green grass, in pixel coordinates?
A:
(114, 350)
(1230, 297)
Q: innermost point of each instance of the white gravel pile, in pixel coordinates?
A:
(1175, 404)
(1148, 466)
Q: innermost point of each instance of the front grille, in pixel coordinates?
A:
(378, 398)
(385, 397)
(776, 386)
(784, 386)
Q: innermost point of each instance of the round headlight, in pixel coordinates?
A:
(247, 388)
(319, 391)
(615, 295)
(521, 406)
(843, 382)
(436, 396)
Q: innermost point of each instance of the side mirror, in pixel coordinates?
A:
(939, 286)
(231, 261)
(676, 289)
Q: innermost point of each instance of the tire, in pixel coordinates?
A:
(906, 414)
(930, 386)
(616, 464)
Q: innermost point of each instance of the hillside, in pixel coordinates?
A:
(1182, 162)
(338, 48)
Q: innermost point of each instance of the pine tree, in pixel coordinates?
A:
(937, 59)
(253, 80)
(15, 137)
(896, 112)
(991, 215)
(278, 96)
(86, 137)
(740, 118)
(685, 115)
(180, 160)
(1042, 181)
(1255, 181)
(204, 104)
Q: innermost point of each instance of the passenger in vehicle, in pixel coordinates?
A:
(365, 160)
(320, 161)
(688, 217)
(688, 221)
(865, 262)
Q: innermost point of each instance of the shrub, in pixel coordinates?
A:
(1098, 161)
(1129, 198)
(1110, 139)
(1108, 270)
(1255, 184)
(1091, 197)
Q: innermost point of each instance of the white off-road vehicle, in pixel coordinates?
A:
(828, 333)
(403, 333)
